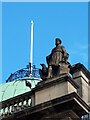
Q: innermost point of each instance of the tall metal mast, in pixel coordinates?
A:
(30, 70)
(31, 48)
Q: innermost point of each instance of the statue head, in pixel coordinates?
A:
(58, 41)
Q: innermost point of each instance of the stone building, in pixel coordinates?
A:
(62, 94)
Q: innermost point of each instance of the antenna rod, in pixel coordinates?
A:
(31, 49)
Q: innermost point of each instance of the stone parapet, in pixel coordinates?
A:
(54, 88)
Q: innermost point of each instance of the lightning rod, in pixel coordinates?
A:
(31, 48)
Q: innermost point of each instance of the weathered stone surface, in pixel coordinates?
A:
(54, 88)
(57, 62)
(82, 77)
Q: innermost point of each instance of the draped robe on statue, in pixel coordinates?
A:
(57, 55)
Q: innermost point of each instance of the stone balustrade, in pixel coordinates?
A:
(16, 104)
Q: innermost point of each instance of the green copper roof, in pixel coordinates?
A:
(15, 88)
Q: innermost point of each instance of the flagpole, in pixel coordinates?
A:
(31, 48)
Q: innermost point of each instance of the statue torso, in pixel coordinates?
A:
(56, 55)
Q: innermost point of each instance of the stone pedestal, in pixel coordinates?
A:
(60, 95)
(54, 88)
(66, 107)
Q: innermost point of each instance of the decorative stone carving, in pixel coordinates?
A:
(44, 72)
(57, 62)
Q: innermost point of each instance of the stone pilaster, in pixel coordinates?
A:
(82, 77)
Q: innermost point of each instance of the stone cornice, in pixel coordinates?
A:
(56, 80)
(80, 67)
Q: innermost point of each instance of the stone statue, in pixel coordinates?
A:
(57, 61)
(58, 54)
(44, 72)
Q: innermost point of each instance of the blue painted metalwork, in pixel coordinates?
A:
(24, 73)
